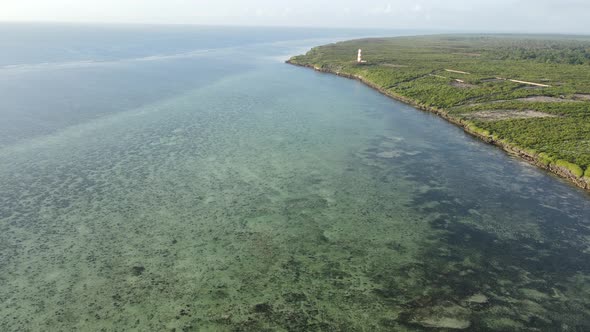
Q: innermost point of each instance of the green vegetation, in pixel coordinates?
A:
(469, 77)
(575, 169)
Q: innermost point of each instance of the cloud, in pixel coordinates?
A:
(467, 15)
(387, 9)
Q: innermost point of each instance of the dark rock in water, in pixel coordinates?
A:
(137, 270)
(262, 308)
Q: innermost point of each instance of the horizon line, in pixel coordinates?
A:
(432, 30)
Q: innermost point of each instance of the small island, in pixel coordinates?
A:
(528, 94)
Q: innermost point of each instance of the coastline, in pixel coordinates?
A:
(512, 149)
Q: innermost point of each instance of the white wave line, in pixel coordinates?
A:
(88, 63)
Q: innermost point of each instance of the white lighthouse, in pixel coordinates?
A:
(359, 58)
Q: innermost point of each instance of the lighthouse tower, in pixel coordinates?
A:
(359, 59)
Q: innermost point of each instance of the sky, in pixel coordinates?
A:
(558, 16)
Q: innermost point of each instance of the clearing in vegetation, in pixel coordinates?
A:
(506, 114)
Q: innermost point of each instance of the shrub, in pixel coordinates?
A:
(545, 159)
(573, 168)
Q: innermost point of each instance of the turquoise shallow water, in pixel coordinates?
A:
(256, 195)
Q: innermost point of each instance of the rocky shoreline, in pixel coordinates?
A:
(534, 159)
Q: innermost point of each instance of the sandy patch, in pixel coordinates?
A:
(488, 80)
(496, 115)
(530, 83)
(445, 323)
(531, 87)
(468, 54)
(462, 85)
(544, 99)
(581, 96)
(478, 299)
(393, 65)
(450, 317)
(537, 99)
(457, 71)
(438, 76)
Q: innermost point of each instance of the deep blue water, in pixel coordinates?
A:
(57, 75)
